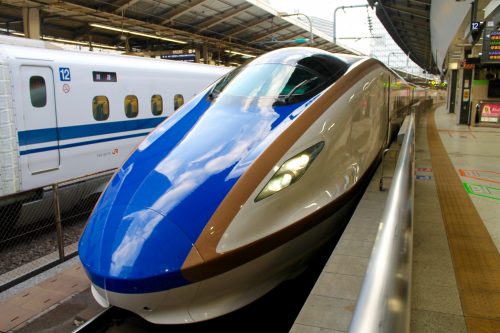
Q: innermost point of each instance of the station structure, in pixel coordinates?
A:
(216, 32)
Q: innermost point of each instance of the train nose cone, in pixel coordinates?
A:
(131, 249)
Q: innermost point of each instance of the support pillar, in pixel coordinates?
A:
(452, 90)
(205, 54)
(197, 56)
(464, 116)
(31, 22)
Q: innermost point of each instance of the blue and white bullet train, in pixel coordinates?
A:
(239, 188)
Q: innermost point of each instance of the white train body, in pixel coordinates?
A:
(55, 137)
(195, 226)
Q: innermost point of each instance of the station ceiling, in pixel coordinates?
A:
(244, 27)
(409, 24)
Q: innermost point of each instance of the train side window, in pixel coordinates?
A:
(100, 108)
(178, 101)
(156, 105)
(38, 91)
(131, 105)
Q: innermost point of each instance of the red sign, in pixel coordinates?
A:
(490, 110)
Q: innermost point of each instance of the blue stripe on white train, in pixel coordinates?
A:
(40, 140)
(43, 135)
(78, 143)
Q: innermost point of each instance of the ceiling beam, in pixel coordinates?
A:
(412, 28)
(125, 6)
(217, 19)
(408, 20)
(180, 10)
(418, 13)
(247, 25)
(267, 33)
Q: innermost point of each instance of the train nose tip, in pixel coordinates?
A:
(133, 250)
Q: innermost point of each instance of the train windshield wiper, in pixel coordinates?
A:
(213, 94)
(286, 99)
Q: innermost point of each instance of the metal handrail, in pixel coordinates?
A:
(382, 177)
(384, 301)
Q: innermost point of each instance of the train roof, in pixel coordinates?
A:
(28, 42)
(20, 48)
(293, 55)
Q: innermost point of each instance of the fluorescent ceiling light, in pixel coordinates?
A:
(240, 53)
(67, 41)
(107, 27)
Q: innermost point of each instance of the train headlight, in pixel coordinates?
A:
(290, 171)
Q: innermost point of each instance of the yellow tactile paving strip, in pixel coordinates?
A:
(15, 311)
(476, 260)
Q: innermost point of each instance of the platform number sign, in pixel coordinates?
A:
(64, 74)
(475, 28)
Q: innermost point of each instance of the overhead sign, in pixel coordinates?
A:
(188, 55)
(475, 30)
(491, 44)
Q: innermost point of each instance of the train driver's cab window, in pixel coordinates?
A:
(131, 105)
(38, 91)
(178, 101)
(100, 108)
(156, 105)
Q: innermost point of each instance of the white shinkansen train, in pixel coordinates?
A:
(65, 114)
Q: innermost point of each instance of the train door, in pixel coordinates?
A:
(40, 118)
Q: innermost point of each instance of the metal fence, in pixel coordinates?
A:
(384, 301)
(41, 228)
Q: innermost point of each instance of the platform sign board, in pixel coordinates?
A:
(188, 55)
(491, 44)
(489, 112)
(180, 57)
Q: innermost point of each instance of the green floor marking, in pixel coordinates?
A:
(483, 191)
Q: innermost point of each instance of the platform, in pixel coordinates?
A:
(456, 263)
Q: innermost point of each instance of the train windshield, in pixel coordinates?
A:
(286, 83)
